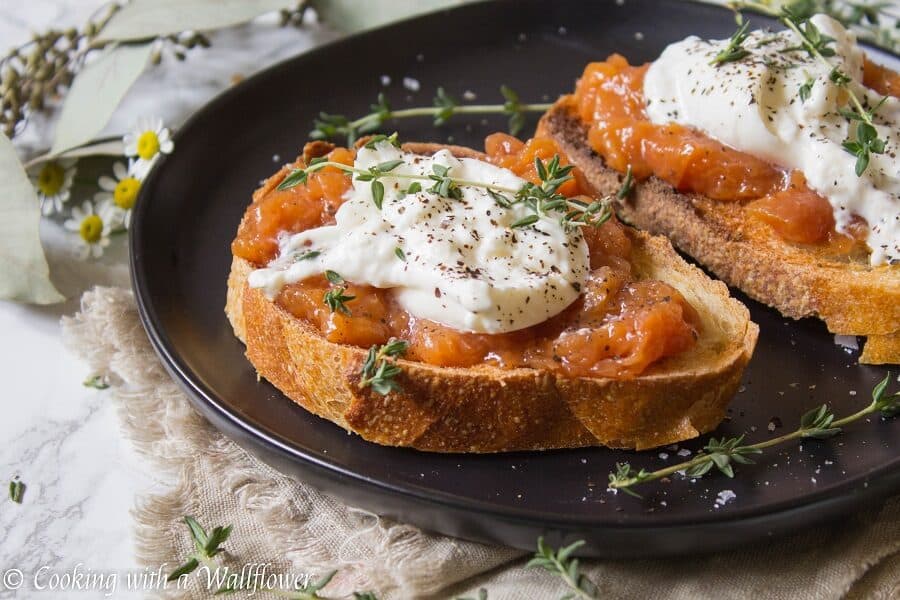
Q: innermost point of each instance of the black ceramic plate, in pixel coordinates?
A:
(192, 202)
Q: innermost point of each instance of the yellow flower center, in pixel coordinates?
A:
(126, 193)
(148, 145)
(51, 179)
(91, 229)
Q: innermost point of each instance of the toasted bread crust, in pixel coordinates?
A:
(489, 409)
(852, 298)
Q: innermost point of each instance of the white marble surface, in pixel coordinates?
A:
(61, 438)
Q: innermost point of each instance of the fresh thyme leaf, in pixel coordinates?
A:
(624, 477)
(388, 166)
(378, 193)
(734, 51)
(812, 41)
(294, 178)
(838, 77)
(379, 138)
(218, 537)
(336, 300)
(364, 596)
(98, 382)
(378, 371)
(888, 406)
(414, 188)
(444, 184)
(627, 185)
(806, 89)
(308, 255)
(512, 107)
(561, 563)
(187, 567)
(329, 126)
(207, 546)
(720, 453)
(446, 105)
(321, 583)
(399, 253)
(198, 534)
(17, 490)
(525, 221)
(499, 198)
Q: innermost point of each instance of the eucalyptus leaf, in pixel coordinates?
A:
(355, 15)
(149, 19)
(24, 273)
(96, 92)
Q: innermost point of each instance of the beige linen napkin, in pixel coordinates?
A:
(292, 527)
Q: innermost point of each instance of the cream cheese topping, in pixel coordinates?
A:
(754, 105)
(464, 267)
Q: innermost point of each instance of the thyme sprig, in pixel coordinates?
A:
(541, 199)
(561, 563)
(336, 298)
(818, 423)
(735, 50)
(796, 17)
(379, 369)
(332, 126)
(206, 547)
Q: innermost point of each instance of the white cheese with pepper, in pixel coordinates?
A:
(464, 267)
(754, 105)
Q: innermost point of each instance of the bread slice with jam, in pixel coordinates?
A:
(831, 279)
(464, 392)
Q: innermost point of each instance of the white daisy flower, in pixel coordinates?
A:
(53, 182)
(117, 196)
(93, 229)
(145, 143)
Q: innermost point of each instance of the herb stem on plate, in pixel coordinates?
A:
(331, 126)
(818, 423)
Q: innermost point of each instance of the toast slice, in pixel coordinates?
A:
(490, 409)
(852, 297)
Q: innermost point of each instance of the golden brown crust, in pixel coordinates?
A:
(851, 297)
(489, 409)
(881, 349)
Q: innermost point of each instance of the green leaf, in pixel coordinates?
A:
(378, 193)
(333, 277)
(184, 569)
(197, 532)
(388, 166)
(106, 147)
(24, 273)
(216, 539)
(294, 178)
(355, 15)
(96, 93)
(525, 221)
(16, 491)
(149, 19)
